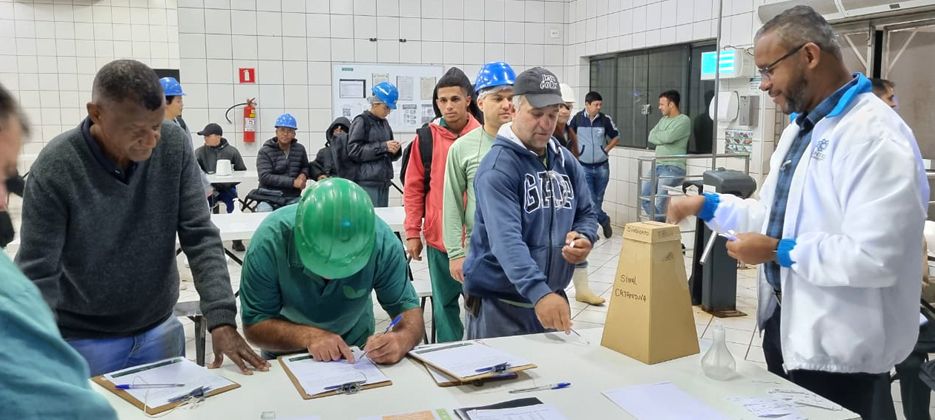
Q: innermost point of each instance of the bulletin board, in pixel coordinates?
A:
(351, 84)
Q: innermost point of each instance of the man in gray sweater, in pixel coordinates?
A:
(102, 208)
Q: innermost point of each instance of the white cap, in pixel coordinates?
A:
(568, 94)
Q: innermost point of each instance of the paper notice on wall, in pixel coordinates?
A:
(352, 88)
(738, 141)
(380, 78)
(427, 88)
(410, 114)
(428, 113)
(404, 84)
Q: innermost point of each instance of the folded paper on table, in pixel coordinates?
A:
(662, 401)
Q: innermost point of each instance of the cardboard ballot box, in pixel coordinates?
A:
(650, 317)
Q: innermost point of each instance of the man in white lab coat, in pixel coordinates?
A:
(837, 223)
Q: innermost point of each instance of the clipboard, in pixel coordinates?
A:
(343, 389)
(493, 372)
(462, 413)
(443, 380)
(126, 396)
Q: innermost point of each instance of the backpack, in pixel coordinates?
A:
(424, 134)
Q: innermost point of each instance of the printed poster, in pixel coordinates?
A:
(739, 141)
(380, 78)
(404, 84)
(410, 114)
(428, 113)
(427, 88)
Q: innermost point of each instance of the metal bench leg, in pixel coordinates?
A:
(201, 333)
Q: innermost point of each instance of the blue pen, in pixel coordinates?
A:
(393, 323)
(388, 328)
(560, 385)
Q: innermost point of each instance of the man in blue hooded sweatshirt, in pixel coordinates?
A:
(534, 221)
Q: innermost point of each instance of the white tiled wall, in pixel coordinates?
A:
(50, 51)
(293, 45)
(596, 27)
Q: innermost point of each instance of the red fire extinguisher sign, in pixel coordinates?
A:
(247, 75)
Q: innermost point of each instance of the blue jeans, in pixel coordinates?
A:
(227, 197)
(264, 207)
(105, 355)
(597, 176)
(668, 176)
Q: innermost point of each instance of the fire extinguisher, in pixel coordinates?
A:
(249, 119)
(249, 122)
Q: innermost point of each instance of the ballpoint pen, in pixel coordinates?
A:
(560, 385)
(195, 393)
(148, 386)
(393, 323)
(498, 368)
(586, 341)
(388, 328)
(730, 235)
(148, 367)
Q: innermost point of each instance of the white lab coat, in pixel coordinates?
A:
(850, 301)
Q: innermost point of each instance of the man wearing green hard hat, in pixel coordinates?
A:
(309, 273)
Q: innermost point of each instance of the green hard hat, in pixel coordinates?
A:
(335, 228)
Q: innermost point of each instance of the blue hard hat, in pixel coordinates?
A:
(286, 120)
(386, 93)
(171, 87)
(493, 74)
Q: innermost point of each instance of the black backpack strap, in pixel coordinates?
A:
(426, 144)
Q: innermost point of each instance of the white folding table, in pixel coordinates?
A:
(590, 368)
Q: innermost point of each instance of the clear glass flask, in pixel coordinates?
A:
(717, 363)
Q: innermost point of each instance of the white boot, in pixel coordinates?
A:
(583, 291)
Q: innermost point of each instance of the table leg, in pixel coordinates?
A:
(233, 256)
(426, 334)
(201, 333)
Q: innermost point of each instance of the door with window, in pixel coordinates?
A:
(631, 82)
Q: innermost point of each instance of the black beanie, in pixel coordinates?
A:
(455, 77)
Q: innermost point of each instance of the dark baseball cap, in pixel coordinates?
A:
(211, 129)
(540, 87)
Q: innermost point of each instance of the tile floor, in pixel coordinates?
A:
(742, 338)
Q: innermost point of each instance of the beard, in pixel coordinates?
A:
(796, 96)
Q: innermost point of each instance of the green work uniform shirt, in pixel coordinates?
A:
(275, 285)
(43, 377)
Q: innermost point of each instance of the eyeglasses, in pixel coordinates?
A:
(767, 71)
